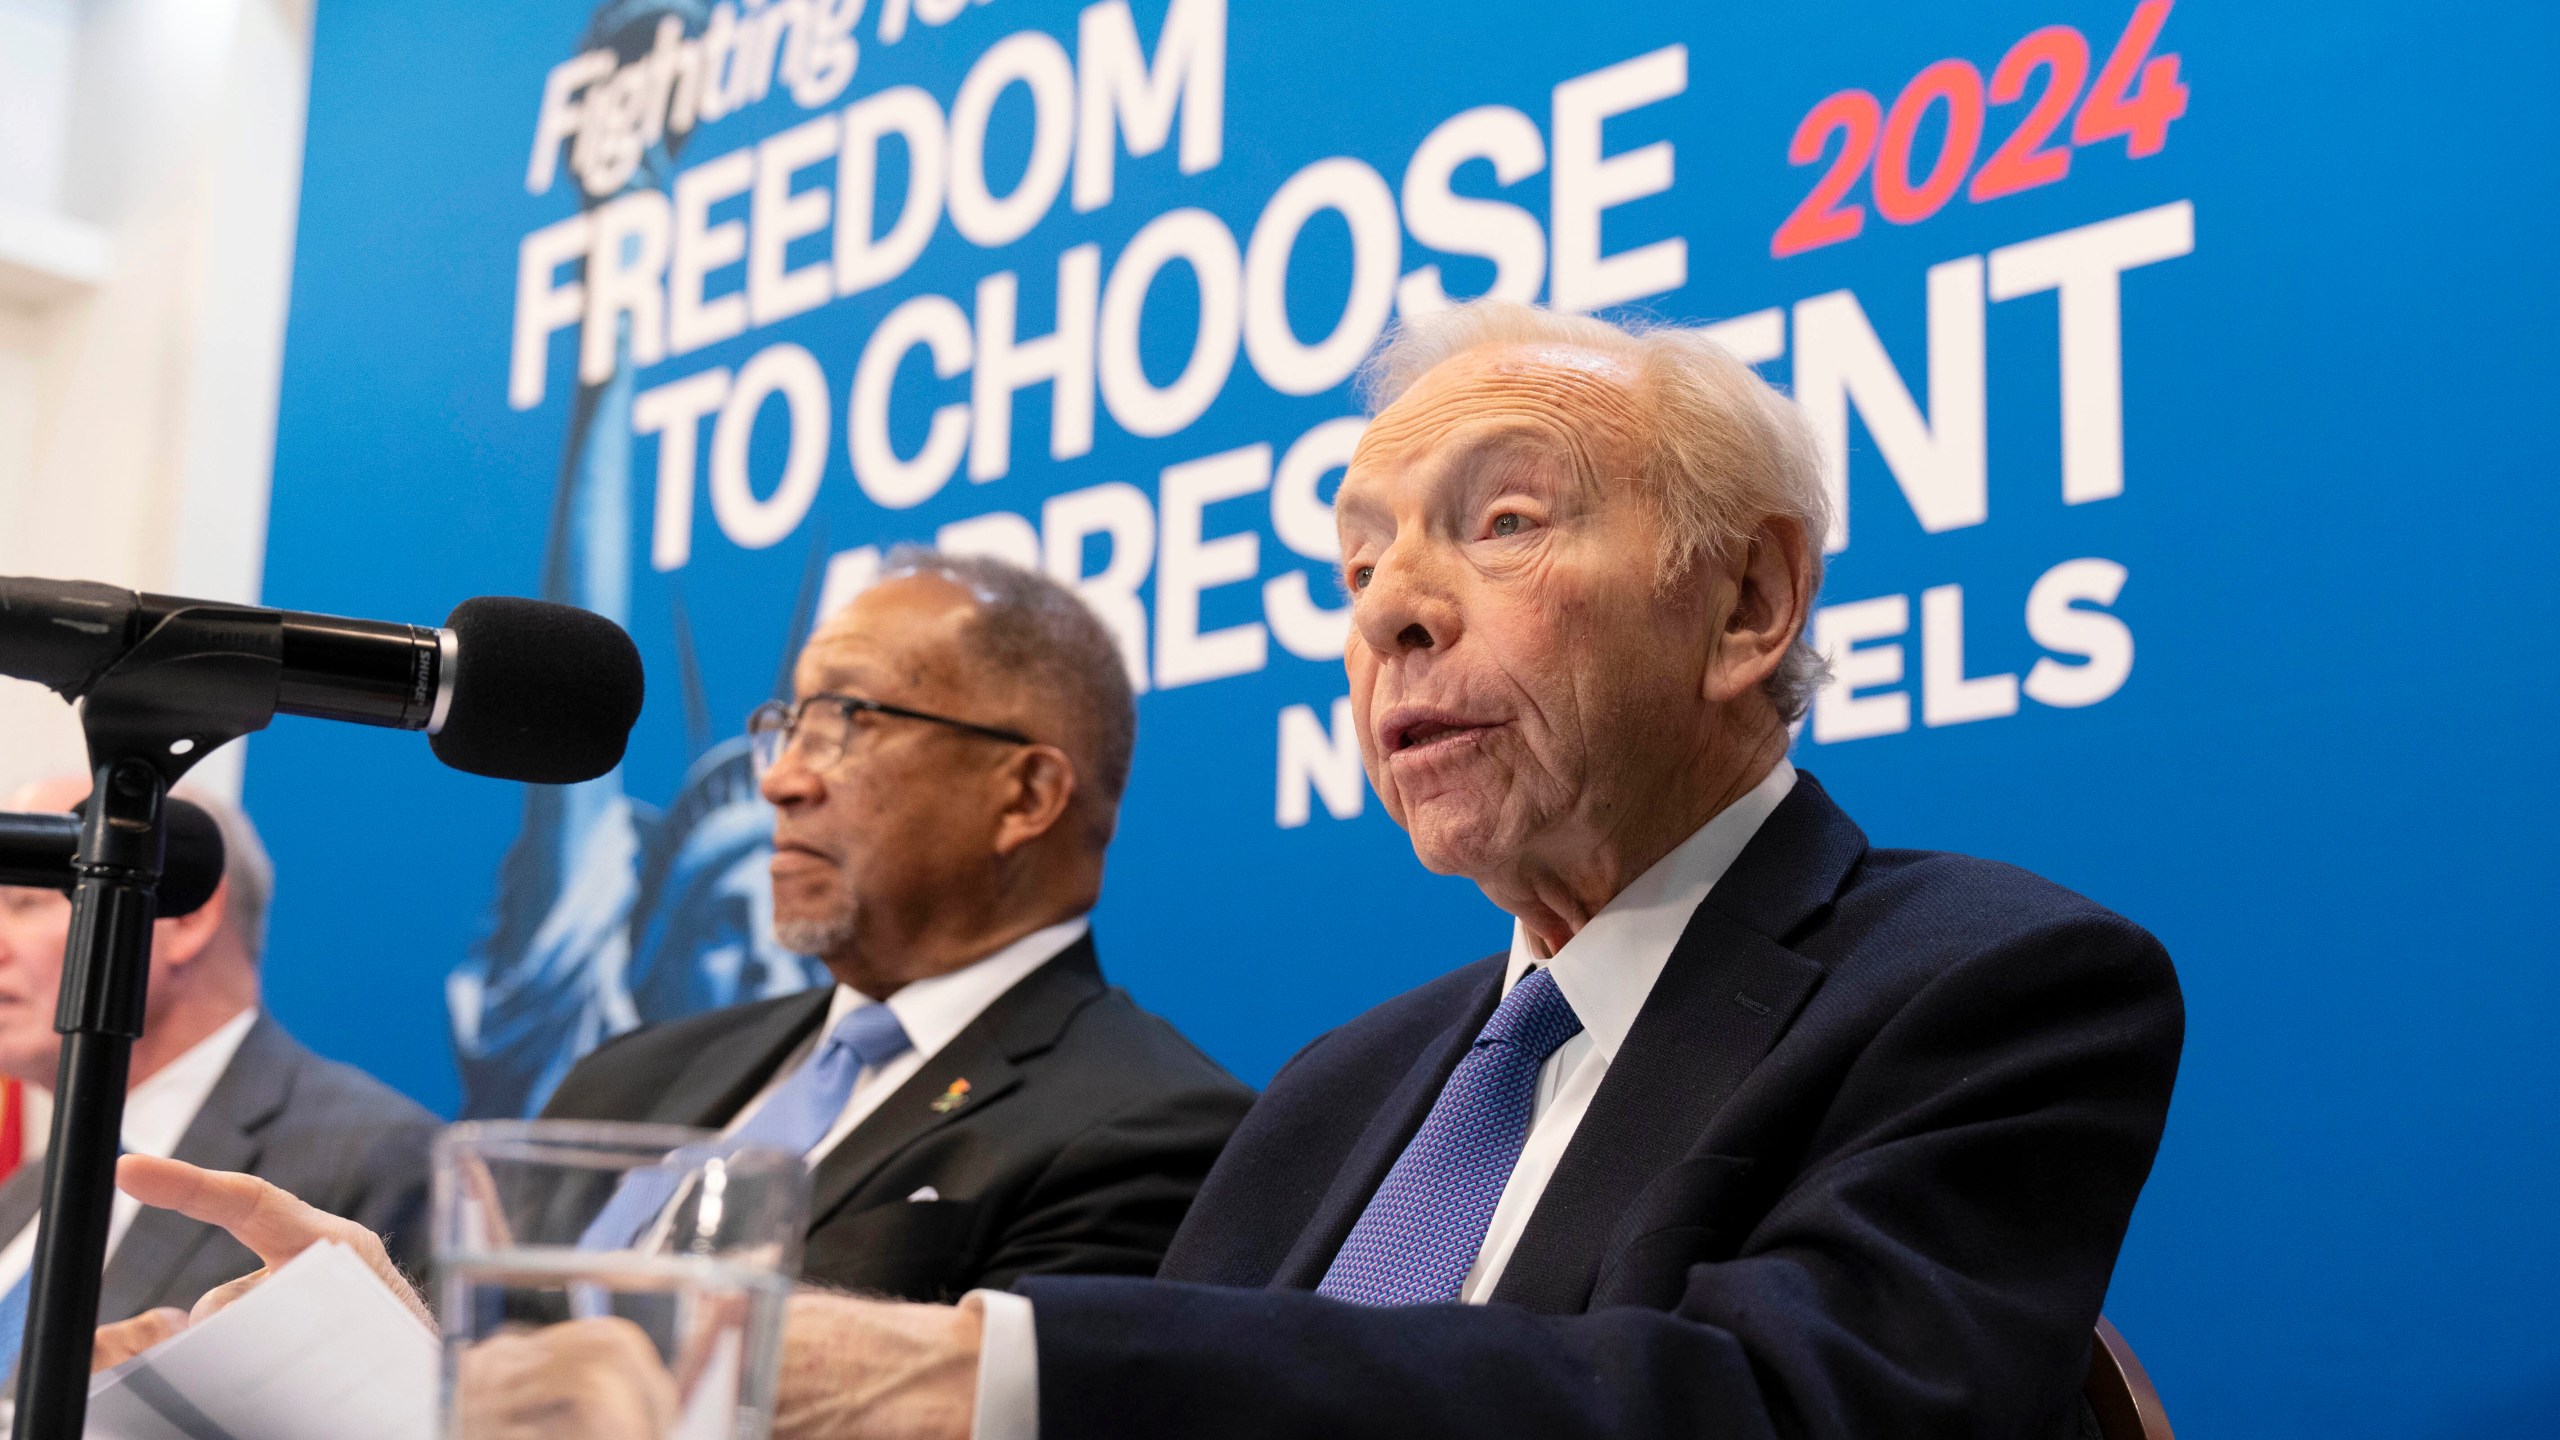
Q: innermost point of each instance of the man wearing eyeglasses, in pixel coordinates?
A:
(975, 1103)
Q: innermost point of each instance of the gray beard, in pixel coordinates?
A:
(815, 937)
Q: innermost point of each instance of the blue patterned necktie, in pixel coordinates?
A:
(1421, 1233)
(793, 1119)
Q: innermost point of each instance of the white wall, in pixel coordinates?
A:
(150, 161)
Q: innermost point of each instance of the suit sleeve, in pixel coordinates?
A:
(1932, 1269)
(1111, 1200)
(392, 1200)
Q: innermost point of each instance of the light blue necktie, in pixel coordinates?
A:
(794, 1118)
(1421, 1233)
(13, 1320)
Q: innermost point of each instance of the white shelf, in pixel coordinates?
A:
(45, 258)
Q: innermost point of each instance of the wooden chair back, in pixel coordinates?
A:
(2120, 1393)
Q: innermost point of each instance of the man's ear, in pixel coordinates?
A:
(180, 940)
(1772, 581)
(1041, 785)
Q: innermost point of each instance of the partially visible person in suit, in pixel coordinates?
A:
(975, 1103)
(215, 1081)
(1754, 1130)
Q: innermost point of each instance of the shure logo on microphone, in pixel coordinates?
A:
(608, 112)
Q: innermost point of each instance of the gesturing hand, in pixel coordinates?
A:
(272, 1223)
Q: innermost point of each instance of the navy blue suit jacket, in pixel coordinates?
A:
(1860, 1169)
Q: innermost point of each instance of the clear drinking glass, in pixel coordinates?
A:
(547, 1224)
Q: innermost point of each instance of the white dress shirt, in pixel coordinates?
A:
(157, 1113)
(1606, 971)
(933, 1012)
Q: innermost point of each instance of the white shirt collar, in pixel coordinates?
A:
(158, 1111)
(1609, 966)
(935, 1010)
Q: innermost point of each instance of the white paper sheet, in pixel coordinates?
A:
(321, 1351)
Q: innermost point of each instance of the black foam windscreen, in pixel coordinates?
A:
(543, 693)
(193, 865)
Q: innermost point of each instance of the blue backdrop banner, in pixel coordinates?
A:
(2176, 366)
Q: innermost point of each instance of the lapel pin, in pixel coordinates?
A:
(952, 1099)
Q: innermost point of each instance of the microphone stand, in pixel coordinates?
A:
(203, 677)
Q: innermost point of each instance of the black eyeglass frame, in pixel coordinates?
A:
(852, 705)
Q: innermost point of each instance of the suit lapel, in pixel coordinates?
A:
(1390, 1129)
(1726, 996)
(1721, 1003)
(1022, 1022)
(726, 1073)
(225, 1135)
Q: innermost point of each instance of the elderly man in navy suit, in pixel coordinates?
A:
(1754, 1131)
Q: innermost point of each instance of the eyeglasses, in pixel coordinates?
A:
(822, 725)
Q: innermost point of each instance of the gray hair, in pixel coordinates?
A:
(246, 868)
(1728, 450)
(1033, 631)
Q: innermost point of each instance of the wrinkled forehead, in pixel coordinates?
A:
(1582, 404)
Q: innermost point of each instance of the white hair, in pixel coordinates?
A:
(1727, 450)
(246, 869)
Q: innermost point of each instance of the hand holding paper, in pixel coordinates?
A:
(310, 1339)
(273, 1224)
(322, 1351)
(327, 1340)
(117, 1343)
(329, 1334)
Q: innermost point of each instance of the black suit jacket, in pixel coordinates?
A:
(1860, 1169)
(1087, 1127)
(331, 1134)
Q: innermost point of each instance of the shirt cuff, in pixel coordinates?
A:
(1008, 1368)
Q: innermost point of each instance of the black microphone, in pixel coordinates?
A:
(512, 689)
(36, 852)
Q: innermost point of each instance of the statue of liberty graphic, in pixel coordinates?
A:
(611, 913)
